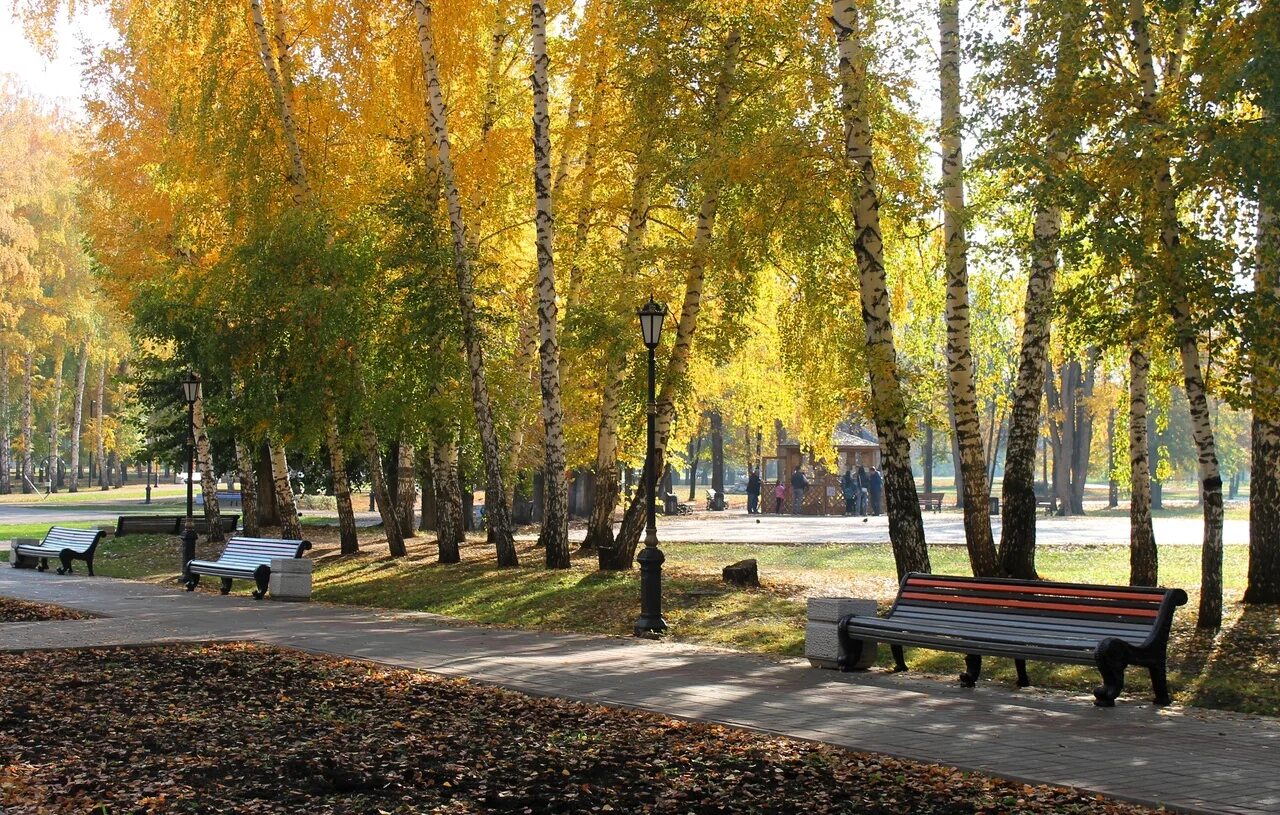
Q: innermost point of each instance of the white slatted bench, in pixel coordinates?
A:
(1110, 627)
(245, 559)
(66, 545)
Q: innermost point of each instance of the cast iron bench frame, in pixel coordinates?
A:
(245, 559)
(67, 545)
(931, 501)
(1110, 627)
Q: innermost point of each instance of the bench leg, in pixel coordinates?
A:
(899, 659)
(193, 580)
(89, 562)
(44, 565)
(1160, 684)
(65, 558)
(972, 670)
(226, 586)
(1112, 657)
(1024, 681)
(262, 577)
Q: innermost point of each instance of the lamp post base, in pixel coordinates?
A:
(650, 620)
(188, 549)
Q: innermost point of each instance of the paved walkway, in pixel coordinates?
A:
(1193, 760)
(941, 529)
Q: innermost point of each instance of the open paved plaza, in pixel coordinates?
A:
(1187, 759)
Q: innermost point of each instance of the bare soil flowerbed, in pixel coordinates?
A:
(21, 611)
(237, 728)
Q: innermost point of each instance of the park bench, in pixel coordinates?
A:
(1110, 627)
(226, 520)
(148, 525)
(170, 524)
(66, 545)
(931, 501)
(246, 559)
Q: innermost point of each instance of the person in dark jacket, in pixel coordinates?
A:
(753, 493)
(877, 486)
(798, 486)
(863, 483)
(849, 489)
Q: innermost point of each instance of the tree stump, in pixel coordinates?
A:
(743, 573)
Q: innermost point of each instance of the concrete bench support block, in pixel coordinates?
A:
(18, 561)
(821, 634)
(291, 579)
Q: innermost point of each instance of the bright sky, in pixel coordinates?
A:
(57, 79)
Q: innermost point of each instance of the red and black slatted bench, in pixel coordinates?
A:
(1111, 627)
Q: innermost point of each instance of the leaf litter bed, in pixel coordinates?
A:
(242, 728)
(21, 611)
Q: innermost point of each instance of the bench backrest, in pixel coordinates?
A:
(253, 552)
(169, 524)
(1129, 611)
(931, 496)
(77, 540)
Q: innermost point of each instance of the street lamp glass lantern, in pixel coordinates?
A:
(191, 388)
(652, 314)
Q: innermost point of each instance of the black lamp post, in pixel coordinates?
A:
(190, 392)
(151, 456)
(651, 558)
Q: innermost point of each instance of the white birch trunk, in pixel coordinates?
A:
(208, 482)
(280, 76)
(77, 416)
(6, 439)
(407, 489)
(1263, 584)
(906, 529)
(248, 492)
(599, 535)
(55, 416)
(555, 519)
(1210, 611)
(449, 521)
(1143, 555)
(27, 469)
(100, 440)
(349, 541)
(495, 501)
(964, 398)
(290, 527)
(382, 496)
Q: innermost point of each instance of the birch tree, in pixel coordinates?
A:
(963, 397)
(906, 529)
(555, 519)
(77, 415)
(495, 495)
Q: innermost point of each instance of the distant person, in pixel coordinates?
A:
(779, 493)
(799, 484)
(753, 493)
(849, 489)
(877, 485)
(863, 482)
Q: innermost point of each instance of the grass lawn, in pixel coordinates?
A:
(1236, 670)
(274, 731)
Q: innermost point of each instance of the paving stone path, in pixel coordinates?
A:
(1187, 759)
